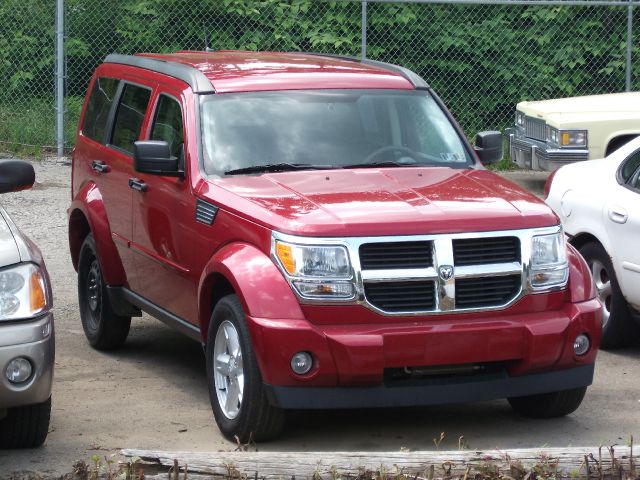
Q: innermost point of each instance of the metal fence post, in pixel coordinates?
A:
(629, 45)
(363, 52)
(59, 73)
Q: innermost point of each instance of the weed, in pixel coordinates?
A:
(438, 441)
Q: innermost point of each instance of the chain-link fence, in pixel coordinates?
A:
(481, 57)
(27, 53)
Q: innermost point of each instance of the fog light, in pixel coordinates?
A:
(301, 363)
(581, 344)
(19, 370)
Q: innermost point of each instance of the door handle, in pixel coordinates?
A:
(138, 185)
(99, 166)
(618, 214)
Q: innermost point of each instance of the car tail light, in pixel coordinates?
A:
(547, 185)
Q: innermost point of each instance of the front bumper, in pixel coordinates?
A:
(27, 339)
(537, 155)
(431, 392)
(524, 350)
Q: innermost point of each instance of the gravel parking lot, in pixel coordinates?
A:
(153, 394)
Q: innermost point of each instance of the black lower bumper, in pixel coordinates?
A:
(430, 392)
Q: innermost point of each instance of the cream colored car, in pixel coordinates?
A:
(551, 133)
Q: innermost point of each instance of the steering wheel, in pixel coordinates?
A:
(391, 148)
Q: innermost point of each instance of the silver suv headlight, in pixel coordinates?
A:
(549, 266)
(315, 271)
(23, 292)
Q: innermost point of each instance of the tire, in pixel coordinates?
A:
(618, 328)
(25, 427)
(549, 405)
(251, 417)
(103, 328)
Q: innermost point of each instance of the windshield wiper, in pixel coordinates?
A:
(278, 167)
(388, 163)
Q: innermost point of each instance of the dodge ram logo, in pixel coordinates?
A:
(445, 272)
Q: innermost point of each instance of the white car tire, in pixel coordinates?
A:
(618, 327)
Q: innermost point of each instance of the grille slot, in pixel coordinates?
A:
(480, 251)
(486, 291)
(396, 255)
(401, 296)
(535, 128)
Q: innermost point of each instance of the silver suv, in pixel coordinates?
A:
(26, 326)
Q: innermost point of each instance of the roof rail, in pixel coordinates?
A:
(416, 80)
(197, 80)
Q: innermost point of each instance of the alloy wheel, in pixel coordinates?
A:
(603, 286)
(94, 292)
(228, 369)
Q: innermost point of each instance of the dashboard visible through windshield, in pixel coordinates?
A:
(287, 130)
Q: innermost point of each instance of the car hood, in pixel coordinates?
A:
(582, 108)
(9, 253)
(381, 201)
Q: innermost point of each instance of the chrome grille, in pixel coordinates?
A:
(414, 276)
(535, 128)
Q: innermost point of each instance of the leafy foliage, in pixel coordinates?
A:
(482, 59)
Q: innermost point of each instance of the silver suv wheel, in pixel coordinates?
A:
(229, 374)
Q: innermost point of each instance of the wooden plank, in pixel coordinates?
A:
(590, 462)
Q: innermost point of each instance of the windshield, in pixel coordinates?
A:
(326, 129)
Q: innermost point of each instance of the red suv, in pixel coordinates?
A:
(323, 228)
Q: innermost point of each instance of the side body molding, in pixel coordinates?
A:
(89, 202)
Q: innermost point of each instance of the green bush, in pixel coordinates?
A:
(482, 59)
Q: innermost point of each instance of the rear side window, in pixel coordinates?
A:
(167, 125)
(95, 119)
(629, 167)
(129, 117)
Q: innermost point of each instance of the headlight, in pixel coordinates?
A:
(22, 292)
(316, 271)
(549, 266)
(519, 119)
(567, 138)
(573, 138)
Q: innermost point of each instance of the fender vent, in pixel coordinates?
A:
(205, 212)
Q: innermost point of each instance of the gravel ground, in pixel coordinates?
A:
(152, 394)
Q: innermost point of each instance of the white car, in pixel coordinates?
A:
(599, 205)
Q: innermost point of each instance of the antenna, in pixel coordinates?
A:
(207, 45)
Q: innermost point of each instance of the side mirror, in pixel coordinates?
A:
(16, 175)
(154, 157)
(489, 147)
